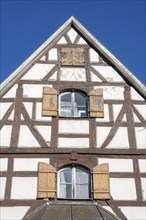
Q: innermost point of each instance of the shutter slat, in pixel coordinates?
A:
(101, 188)
(96, 103)
(50, 102)
(46, 181)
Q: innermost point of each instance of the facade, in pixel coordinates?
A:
(73, 122)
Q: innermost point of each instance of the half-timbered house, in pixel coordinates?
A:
(72, 133)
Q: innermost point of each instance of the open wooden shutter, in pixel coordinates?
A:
(96, 103)
(46, 181)
(50, 102)
(101, 188)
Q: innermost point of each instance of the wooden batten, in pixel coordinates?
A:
(50, 102)
(46, 181)
(96, 106)
(101, 189)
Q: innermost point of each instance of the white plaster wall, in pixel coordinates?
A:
(53, 77)
(38, 71)
(142, 110)
(3, 108)
(33, 91)
(94, 78)
(45, 132)
(24, 188)
(13, 213)
(82, 41)
(143, 186)
(2, 187)
(117, 141)
(140, 137)
(12, 92)
(72, 35)
(5, 135)
(52, 55)
(109, 73)
(62, 41)
(116, 111)
(112, 92)
(26, 138)
(28, 106)
(73, 142)
(94, 57)
(3, 164)
(43, 58)
(106, 115)
(142, 165)
(135, 95)
(28, 164)
(118, 165)
(73, 127)
(134, 213)
(39, 113)
(123, 188)
(109, 209)
(73, 74)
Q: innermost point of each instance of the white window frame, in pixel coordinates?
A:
(74, 183)
(73, 107)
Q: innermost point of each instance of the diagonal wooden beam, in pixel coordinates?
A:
(50, 73)
(6, 115)
(114, 128)
(140, 117)
(98, 74)
(34, 131)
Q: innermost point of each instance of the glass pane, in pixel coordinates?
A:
(80, 105)
(82, 191)
(66, 175)
(82, 176)
(65, 183)
(65, 105)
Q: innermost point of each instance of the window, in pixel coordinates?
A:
(74, 183)
(73, 104)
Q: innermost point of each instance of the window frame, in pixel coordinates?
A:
(74, 183)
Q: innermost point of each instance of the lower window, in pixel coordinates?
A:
(74, 183)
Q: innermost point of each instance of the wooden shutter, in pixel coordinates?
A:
(46, 181)
(96, 106)
(101, 188)
(50, 102)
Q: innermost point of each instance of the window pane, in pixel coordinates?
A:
(65, 105)
(82, 184)
(80, 105)
(82, 192)
(82, 176)
(66, 183)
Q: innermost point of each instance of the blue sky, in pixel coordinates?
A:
(118, 25)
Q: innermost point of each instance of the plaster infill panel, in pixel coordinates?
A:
(45, 132)
(143, 186)
(12, 92)
(117, 140)
(140, 133)
(94, 56)
(142, 111)
(3, 164)
(28, 107)
(33, 91)
(2, 187)
(72, 74)
(109, 73)
(38, 72)
(112, 92)
(73, 142)
(116, 111)
(29, 188)
(72, 35)
(135, 95)
(3, 108)
(14, 212)
(142, 165)
(123, 189)
(5, 135)
(118, 165)
(26, 138)
(134, 213)
(52, 54)
(28, 164)
(73, 127)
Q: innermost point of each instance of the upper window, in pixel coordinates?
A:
(74, 183)
(72, 56)
(73, 104)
